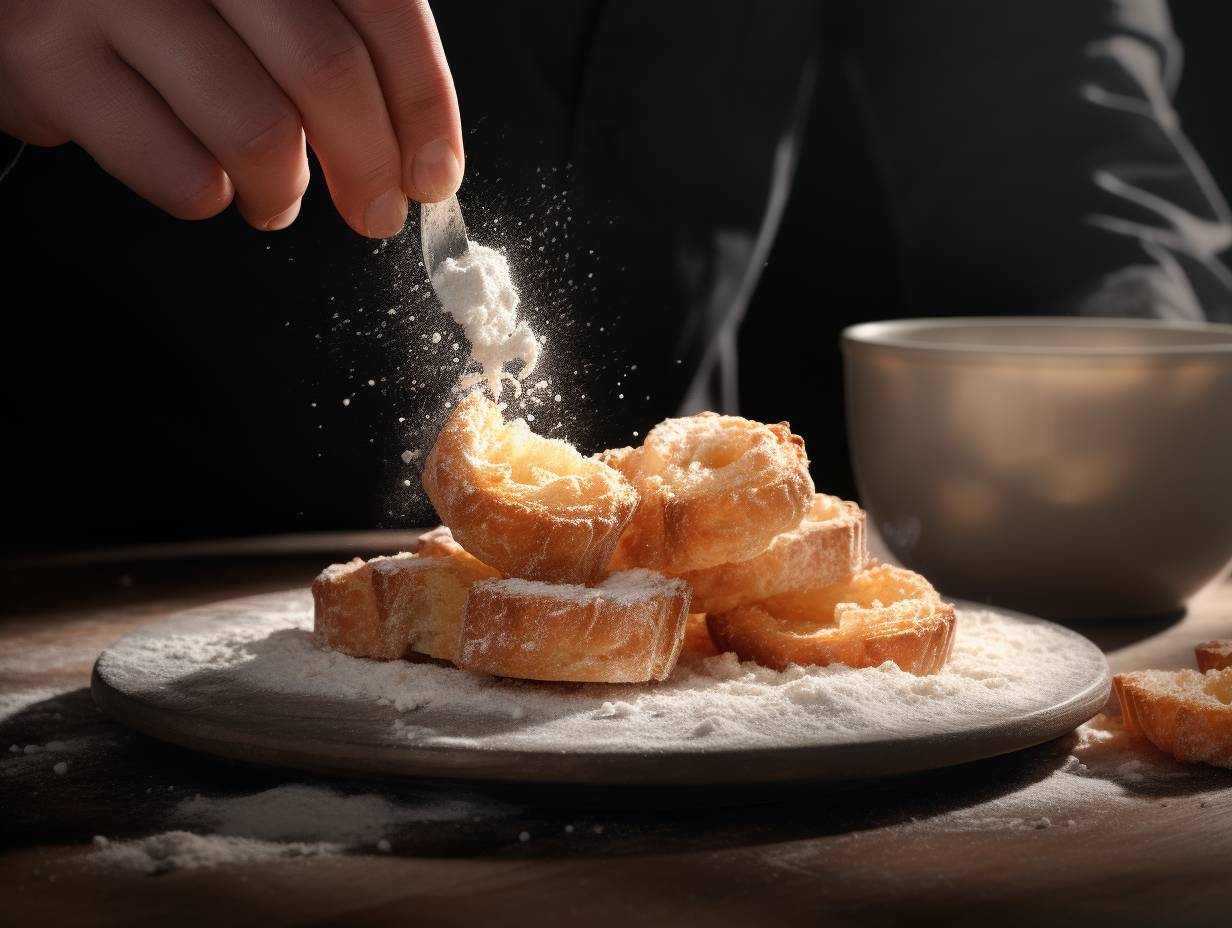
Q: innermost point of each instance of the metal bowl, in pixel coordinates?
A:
(1068, 467)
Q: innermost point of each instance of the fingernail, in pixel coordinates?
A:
(386, 215)
(435, 172)
(283, 219)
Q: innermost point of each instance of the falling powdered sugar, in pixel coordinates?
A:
(261, 651)
(477, 290)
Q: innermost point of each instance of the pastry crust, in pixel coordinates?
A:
(345, 615)
(881, 614)
(392, 607)
(827, 547)
(1214, 655)
(714, 489)
(527, 506)
(1182, 712)
(697, 640)
(628, 629)
(439, 542)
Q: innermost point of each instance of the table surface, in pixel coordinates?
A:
(1072, 829)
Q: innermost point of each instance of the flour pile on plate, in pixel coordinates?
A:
(262, 649)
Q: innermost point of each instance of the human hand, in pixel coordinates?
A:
(193, 103)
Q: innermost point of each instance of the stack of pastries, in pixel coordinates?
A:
(556, 566)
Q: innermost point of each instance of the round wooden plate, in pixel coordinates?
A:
(218, 679)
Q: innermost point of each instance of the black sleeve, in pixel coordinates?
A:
(10, 151)
(1034, 158)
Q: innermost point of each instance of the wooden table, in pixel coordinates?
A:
(1011, 840)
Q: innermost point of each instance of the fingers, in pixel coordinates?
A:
(114, 114)
(197, 101)
(24, 61)
(321, 62)
(222, 94)
(406, 50)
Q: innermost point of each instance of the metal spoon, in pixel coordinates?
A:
(442, 233)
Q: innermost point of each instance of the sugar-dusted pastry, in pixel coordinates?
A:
(714, 489)
(627, 629)
(1182, 712)
(391, 607)
(1214, 655)
(828, 546)
(881, 614)
(526, 505)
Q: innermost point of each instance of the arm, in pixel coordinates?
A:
(1035, 161)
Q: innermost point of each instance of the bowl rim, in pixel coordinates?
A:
(894, 334)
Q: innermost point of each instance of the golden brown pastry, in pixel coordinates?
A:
(828, 546)
(389, 607)
(881, 614)
(526, 505)
(714, 489)
(627, 629)
(1182, 712)
(1214, 655)
(697, 640)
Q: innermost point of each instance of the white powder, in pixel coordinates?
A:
(182, 850)
(625, 586)
(260, 652)
(37, 760)
(294, 820)
(17, 701)
(478, 292)
(1105, 771)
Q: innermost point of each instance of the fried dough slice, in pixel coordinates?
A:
(881, 614)
(1214, 655)
(628, 629)
(526, 505)
(393, 607)
(827, 547)
(1182, 712)
(714, 490)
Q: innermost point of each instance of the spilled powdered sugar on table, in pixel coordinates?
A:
(288, 821)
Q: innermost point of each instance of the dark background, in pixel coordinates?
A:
(172, 380)
(800, 378)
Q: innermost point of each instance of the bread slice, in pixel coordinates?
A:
(345, 614)
(1214, 655)
(828, 546)
(393, 607)
(881, 614)
(714, 490)
(1182, 712)
(528, 506)
(628, 629)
